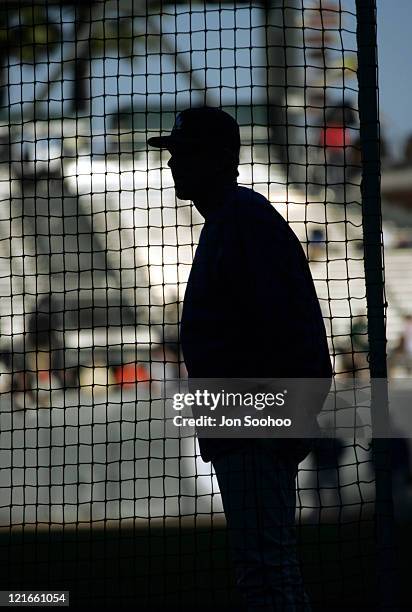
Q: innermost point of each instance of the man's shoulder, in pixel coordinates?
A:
(253, 204)
(258, 222)
(247, 197)
(253, 209)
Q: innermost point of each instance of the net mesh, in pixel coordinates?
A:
(95, 252)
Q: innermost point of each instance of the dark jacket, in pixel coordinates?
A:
(250, 308)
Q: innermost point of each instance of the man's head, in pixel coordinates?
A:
(204, 145)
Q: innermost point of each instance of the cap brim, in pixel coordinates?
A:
(161, 142)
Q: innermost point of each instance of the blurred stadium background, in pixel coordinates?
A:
(94, 256)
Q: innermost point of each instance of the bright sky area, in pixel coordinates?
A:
(395, 74)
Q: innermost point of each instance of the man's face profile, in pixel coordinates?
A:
(192, 170)
(204, 145)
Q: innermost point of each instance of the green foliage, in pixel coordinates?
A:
(112, 37)
(27, 34)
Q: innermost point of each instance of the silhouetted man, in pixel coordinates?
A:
(250, 311)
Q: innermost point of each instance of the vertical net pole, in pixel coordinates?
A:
(375, 296)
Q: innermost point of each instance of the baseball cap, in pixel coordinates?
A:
(206, 126)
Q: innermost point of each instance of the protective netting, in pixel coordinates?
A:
(95, 252)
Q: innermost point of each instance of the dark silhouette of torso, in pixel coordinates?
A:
(250, 307)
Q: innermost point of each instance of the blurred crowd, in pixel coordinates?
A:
(38, 361)
(400, 357)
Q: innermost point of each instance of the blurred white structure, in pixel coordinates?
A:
(91, 457)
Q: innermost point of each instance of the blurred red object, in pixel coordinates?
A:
(131, 373)
(44, 375)
(334, 136)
